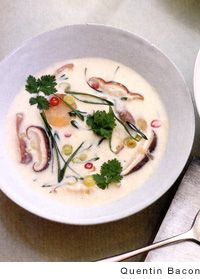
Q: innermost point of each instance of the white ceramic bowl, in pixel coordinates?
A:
(126, 48)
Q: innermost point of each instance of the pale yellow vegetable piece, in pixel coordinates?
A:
(83, 157)
(130, 143)
(67, 149)
(141, 124)
(89, 181)
(69, 99)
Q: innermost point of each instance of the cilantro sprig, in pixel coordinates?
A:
(102, 123)
(110, 173)
(40, 101)
(46, 85)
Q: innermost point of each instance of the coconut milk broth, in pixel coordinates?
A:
(149, 109)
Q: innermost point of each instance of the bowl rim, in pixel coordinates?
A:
(102, 219)
(196, 81)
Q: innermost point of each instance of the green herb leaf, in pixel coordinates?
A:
(32, 85)
(42, 102)
(33, 101)
(47, 84)
(110, 173)
(102, 123)
(100, 181)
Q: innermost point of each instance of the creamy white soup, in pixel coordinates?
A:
(87, 131)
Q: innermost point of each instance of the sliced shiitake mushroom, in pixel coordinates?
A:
(126, 116)
(25, 156)
(42, 144)
(112, 88)
(68, 67)
(134, 166)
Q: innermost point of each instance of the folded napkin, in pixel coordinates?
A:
(179, 218)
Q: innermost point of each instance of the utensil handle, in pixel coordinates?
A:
(118, 258)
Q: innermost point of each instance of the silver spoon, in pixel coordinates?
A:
(193, 235)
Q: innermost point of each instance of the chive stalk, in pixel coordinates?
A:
(61, 171)
(105, 101)
(75, 111)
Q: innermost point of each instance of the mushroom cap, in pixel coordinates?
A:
(144, 158)
(112, 88)
(43, 147)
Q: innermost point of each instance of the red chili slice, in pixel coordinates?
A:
(54, 101)
(155, 123)
(88, 166)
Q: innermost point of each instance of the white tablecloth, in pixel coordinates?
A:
(179, 218)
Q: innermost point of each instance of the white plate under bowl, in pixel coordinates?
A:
(98, 41)
(196, 82)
